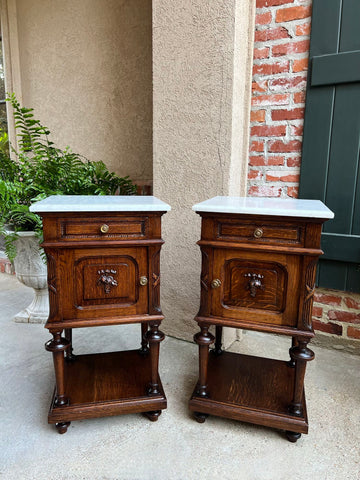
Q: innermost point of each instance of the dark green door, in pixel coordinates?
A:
(330, 157)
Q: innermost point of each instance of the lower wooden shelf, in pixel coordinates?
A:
(106, 384)
(251, 389)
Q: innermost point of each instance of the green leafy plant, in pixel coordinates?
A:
(39, 169)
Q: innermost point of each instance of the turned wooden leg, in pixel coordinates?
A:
(200, 417)
(300, 354)
(218, 340)
(293, 436)
(154, 336)
(57, 346)
(204, 339)
(153, 416)
(294, 343)
(144, 343)
(62, 427)
(69, 356)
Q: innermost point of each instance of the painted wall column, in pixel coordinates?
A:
(202, 68)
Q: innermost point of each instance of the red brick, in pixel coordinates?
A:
(292, 13)
(327, 299)
(285, 84)
(257, 146)
(353, 332)
(280, 146)
(264, 191)
(351, 303)
(257, 115)
(261, 52)
(269, 131)
(271, 34)
(281, 114)
(254, 175)
(291, 48)
(257, 160)
(317, 312)
(275, 99)
(260, 161)
(282, 176)
(296, 130)
(271, 68)
(293, 162)
(263, 18)
(342, 316)
(275, 160)
(303, 29)
(327, 327)
(300, 65)
(260, 86)
(271, 3)
(299, 97)
(293, 192)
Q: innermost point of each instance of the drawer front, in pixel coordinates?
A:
(104, 283)
(103, 228)
(259, 288)
(261, 232)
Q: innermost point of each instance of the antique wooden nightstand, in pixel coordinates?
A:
(258, 272)
(103, 255)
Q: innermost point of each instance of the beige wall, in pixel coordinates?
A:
(202, 54)
(85, 66)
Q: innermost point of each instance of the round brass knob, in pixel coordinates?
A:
(216, 283)
(143, 281)
(104, 228)
(258, 233)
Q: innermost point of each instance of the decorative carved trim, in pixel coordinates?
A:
(254, 283)
(52, 285)
(107, 279)
(156, 279)
(309, 290)
(155, 275)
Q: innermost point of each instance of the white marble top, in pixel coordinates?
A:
(100, 203)
(282, 207)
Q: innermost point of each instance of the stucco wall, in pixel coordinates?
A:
(202, 81)
(86, 69)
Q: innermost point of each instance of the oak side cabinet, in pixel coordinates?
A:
(103, 257)
(259, 261)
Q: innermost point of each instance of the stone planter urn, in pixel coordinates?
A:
(31, 270)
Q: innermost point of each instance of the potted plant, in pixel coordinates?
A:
(36, 170)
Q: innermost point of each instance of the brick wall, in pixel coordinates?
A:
(282, 39)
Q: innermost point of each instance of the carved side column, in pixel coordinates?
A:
(204, 339)
(144, 350)
(300, 354)
(154, 336)
(218, 340)
(58, 345)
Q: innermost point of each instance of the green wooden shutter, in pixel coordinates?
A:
(330, 156)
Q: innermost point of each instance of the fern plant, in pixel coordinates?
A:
(39, 169)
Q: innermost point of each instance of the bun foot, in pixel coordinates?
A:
(200, 417)
(293, 436)
(62, 427)
(153, 416)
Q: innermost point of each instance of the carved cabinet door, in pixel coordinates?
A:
(256, 287)
(104, 283)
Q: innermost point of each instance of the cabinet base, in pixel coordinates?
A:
(106, 384)
(251, 389)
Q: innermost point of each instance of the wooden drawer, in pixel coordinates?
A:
(260, 232)
(258, 288)
(102, 228)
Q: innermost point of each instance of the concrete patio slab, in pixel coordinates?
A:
(130, 447)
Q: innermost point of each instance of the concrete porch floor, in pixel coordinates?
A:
(130, 447)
